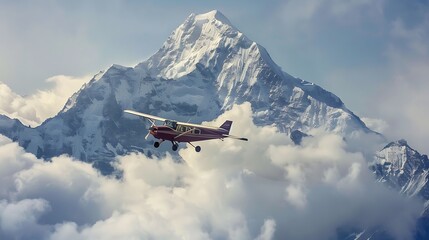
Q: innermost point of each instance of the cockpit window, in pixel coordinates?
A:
(171, 124)
(183, 129)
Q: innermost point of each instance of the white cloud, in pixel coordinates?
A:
(378, 125)
(37, 107)
(267, 230)
(265, 188)
(20, 215)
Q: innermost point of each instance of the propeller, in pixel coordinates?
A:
(147, 135)
(152, 128)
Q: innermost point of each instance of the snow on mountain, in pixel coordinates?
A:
(204, 67)
(406, 170)
(242, 70)
(402, 167)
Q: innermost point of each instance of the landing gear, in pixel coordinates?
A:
(197, 148)
(156, 144)
(175, 145)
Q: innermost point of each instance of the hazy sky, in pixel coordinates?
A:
(364, 51)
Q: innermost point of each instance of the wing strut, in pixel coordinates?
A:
(184, 133)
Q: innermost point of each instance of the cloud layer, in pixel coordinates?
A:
(262, 189)
(37, 107)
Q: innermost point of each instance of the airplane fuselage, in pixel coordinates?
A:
(187, 134)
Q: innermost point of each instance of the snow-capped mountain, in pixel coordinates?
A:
(242, 70)
(406, 170)
(203, 68)
(403, 168)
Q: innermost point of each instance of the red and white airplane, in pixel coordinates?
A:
(176, 132)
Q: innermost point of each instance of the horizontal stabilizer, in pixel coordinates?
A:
(235, 137)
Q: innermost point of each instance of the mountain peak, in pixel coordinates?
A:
(403, 168)
(206, 39)
(399, 143)
(402, 142)
(207, 47)
(212, 15)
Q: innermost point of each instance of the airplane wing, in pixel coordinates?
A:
(197, 125)
(148, 116)
(235, 137)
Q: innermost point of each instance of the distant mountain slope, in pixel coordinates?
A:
(203, 68)
(406, 170)
(402, 167)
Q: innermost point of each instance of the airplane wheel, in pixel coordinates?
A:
(197, 148)
(174, 147)
(156, 144)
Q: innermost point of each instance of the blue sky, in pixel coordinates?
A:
(364, 51)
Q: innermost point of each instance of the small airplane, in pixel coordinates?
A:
(176, 132)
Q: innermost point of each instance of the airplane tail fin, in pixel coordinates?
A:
(226, 125)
